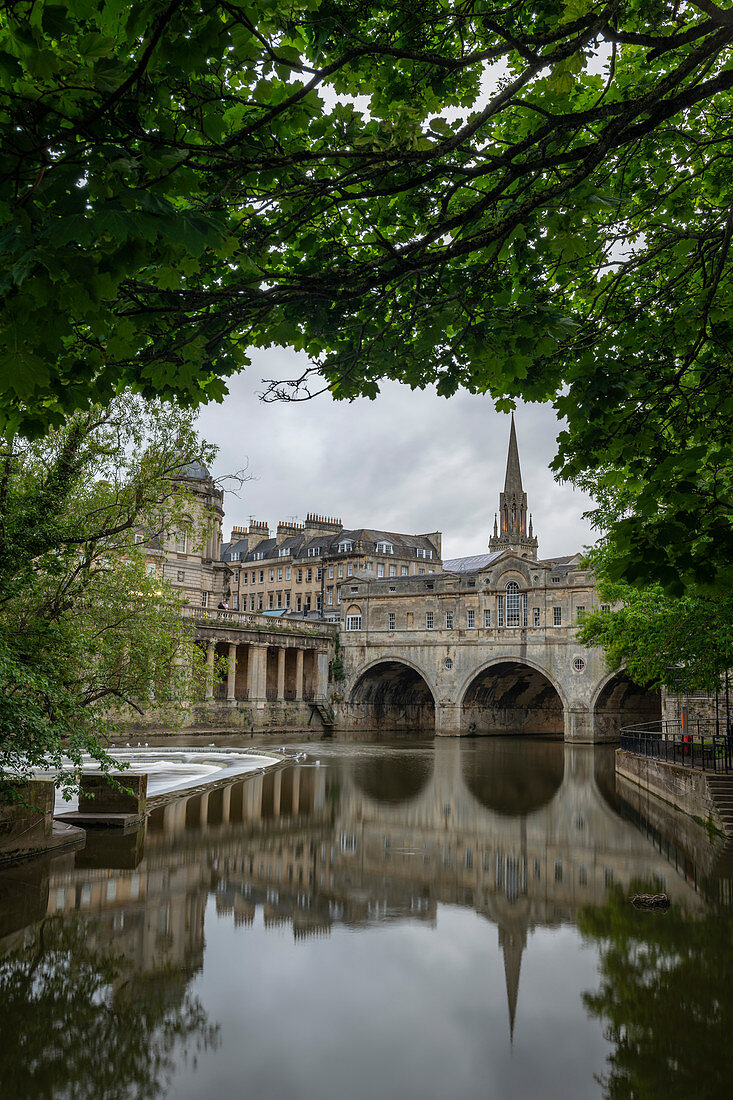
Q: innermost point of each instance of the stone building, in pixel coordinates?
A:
(304, 567)
(188, 553)
(486, 645)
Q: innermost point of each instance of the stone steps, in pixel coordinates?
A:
(721, 789)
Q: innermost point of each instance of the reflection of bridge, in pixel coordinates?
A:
(372, 835)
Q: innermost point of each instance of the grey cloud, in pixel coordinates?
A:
(410, 461)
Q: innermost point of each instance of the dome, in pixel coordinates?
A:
(195, 471)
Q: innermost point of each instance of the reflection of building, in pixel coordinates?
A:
(387, 835)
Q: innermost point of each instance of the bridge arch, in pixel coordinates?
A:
(512, 695)
(392, 693)
(619, 701)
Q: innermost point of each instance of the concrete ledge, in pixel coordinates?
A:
(684, 788)
(27, 828)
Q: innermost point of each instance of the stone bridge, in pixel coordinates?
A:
(463, 682)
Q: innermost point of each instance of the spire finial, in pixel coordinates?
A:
(513, 478)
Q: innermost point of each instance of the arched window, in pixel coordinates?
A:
(516, 605)
(353, 618)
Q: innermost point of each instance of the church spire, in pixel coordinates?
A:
(513, 532)
(513, 478)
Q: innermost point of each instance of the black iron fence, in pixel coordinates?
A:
(702, 744)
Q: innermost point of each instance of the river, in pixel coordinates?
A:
(410, 920)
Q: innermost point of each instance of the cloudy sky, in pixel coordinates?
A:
(409, 461)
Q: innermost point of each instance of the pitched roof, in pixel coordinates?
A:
(468, 565)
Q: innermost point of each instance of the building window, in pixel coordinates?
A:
(391, 620)
(318, 574)
(448, 664)
(330, 595)
(420, 553)
(284, 552)
(605, 608)
(308, 575)
(204, 598)
(555, 580)
(319, 602)
(487, 618)
(421, 572)
(287, 573)
(470, 619)
(557, 616)
(345, 547)
(513, 604)
(385, 548)
(272, 574)
(404, 570)
(428, 620)
(314, 551)
(252, 603)
(535, 616)
(338, 593)
(393, 570)
(260, 601)
(499, 610)
(298, 604)
(279, 601)
(232, 557)
(353, 622)
(330, 572)
(270, 601)
(235, 602)
(341, 572)
(280, 573)
(449, 620)
(349, 569)
(380, 570)
(578, 664)
(181, 542)
(244, 576)
(580, 613)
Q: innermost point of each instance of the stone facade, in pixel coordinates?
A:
(303, 568)
(486, 646)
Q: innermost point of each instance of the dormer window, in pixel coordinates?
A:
(422, 553)
(234, 556)
(284, 552)
(385, 548)
(258, 555)
(345, 547)
(314, 551)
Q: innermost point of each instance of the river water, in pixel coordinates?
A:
(407, 920)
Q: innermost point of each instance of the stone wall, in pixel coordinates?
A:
(684, 788)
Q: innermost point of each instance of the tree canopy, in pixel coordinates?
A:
(526, 200)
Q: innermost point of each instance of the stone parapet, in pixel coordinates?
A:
(685, 788)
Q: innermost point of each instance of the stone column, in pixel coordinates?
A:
(322, 674)
(210, 651)
(447, 720)
(257, 673)
(281, 674)
(231, 670)
(299, 674)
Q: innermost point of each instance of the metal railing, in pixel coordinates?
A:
(698, 744)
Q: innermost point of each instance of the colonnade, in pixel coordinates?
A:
(259, 672)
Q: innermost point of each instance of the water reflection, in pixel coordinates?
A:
(446, 841)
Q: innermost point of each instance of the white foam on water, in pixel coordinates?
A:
(174, 769)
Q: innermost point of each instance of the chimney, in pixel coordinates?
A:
(258, 529)
(238, 533)
(287, 530)
(321, 525)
